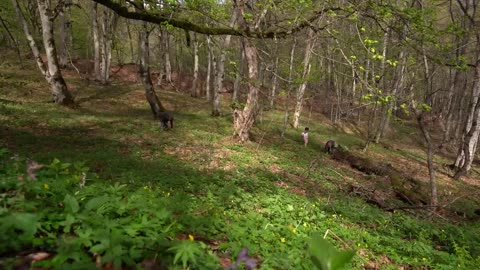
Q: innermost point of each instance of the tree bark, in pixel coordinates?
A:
(243, 120)
(65, 32)
(195, 89)
(152, 99)
(166, 55)
(274, 77)
(109, 22)
(303, 85)
(130, 41)
(96, 43)
(238, 76)
(210, 68)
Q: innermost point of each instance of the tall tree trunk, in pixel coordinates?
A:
(166, 55)
(61, 95)
(144, 71)
(220, 72)
(386, 108)
(303, 85)
(430, 155)
(243, 120)
(472, 127)
(109, 22)
(130, 41)
(290, 77)
(65, 32)
(96, 42)
(195, 89)
(274, 77)
(103, 45)
(52, 73)
(210, 68)
(238, 76)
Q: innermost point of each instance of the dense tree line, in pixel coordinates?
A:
(364, 61)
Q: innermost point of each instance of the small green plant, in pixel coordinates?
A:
(325, 256)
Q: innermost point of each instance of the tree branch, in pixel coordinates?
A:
(124, 11)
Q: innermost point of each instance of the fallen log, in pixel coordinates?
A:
(405, 187)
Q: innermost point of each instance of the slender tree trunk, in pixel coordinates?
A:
(386, 108)
(451, 103)
(426, 134)
(130, 41)
(195, 89)
(220, 72)
(238, 76)
(155, 104)
(430, 155)
(303, 85)
(290, 77)
(274, 77)
(96, 43)
(167, 64)
(31, 41)
(14, 41)
(52, 73)
(211, 62)
(65, 32)
(104, 47)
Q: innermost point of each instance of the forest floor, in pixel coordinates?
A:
(195, 182)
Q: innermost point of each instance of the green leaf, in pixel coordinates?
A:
(96, 202)
(185, 251)
(325, 256)
(71, 204)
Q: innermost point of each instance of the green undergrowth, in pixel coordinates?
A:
(191, 198)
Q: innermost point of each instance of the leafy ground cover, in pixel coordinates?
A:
(116, 190)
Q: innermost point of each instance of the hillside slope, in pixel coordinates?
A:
(144, 186)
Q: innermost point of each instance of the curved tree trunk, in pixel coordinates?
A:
(144, 71)
(243, 120)
(303, 86)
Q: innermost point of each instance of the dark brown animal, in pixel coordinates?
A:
(165, 118)
(330, 146)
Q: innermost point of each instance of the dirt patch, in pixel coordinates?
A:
(206, 157)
